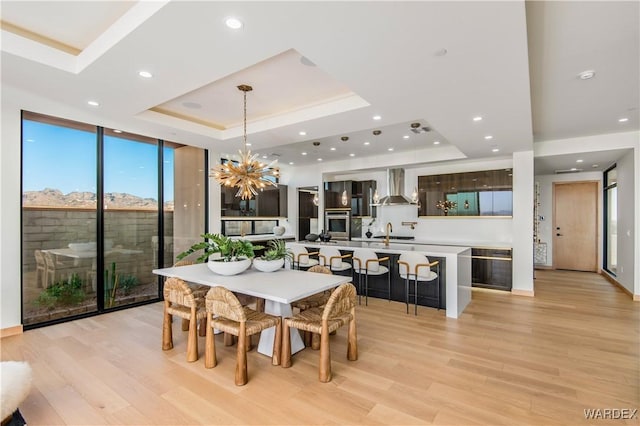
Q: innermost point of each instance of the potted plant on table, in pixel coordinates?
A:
(226, 256)
(274, 257)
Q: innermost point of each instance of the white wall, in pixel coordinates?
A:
(627, 216)
(523, 223)
(10, 301)
(546, 207)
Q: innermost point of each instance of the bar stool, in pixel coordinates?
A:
(302, 257)
(366, 262)
(333, 259)
(416, 267)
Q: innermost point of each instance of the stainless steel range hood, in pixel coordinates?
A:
(396, 197)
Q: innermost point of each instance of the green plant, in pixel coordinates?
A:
(128, 282)
(277, 249)
(110, 285)
(230, 250)
(67, 292)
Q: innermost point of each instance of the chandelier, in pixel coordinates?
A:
(248, 174)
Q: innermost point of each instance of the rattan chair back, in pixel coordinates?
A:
(320, 269)
(224, 303)
(342, 301)
(178, 292)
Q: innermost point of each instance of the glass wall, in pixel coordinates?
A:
(130, 205)
(97, 205)
(58, 219)
(611, 220)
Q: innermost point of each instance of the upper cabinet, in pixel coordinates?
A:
(337, 194)
(356, 195)
(270, 202)
(362, 197)
(484, 193)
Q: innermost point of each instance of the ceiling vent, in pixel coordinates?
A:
(415, 128)
(560, 172)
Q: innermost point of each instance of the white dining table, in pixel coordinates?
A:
(279, 289)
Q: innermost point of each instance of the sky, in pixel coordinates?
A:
(64, 158)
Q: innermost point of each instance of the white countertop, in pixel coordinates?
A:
(264, 237)
(468, 243)
(378, 246)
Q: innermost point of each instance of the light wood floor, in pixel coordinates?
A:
(508, 360)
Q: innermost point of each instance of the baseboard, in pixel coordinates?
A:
(549, 267)
(10, 331)
(612, 280)
(528, 293)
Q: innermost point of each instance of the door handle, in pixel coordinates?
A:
(559, 235)
(558, 228)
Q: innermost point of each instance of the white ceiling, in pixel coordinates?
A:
(514, 66)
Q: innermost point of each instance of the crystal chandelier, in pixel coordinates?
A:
(248, 174)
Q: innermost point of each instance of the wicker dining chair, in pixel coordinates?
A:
(199, 292)
(339, 310)
(225, 313)
(315, 300)
(179, 300)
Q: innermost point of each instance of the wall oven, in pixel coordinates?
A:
(338, 222)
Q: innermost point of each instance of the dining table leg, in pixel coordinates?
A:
(284, 310)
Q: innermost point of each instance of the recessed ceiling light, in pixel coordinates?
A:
(495, 150)
(352, 155)
(302, 133)
(405, 137)
(291, 163)
(579, 161)
(248, 144)
(436, 142)
(595, 166)
(389, 149)
(377, 117)
(233, 23)
(586, 75)
(145, 74)
(622, 120)
(366, 143)
(488, 137)
(304, 153)
(264, 156)
(319, 159)
(117, 131)
(478, 118)
(93, 103)
(332, 148)
(573, 169)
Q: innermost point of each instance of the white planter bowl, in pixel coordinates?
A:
(229, 268)
(268, 265)
(278, 230)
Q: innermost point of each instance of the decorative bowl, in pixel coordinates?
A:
(311, 237)
(268, 265)
(229, 268)
(278, 230)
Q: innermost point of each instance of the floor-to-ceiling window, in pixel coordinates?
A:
(611, 220)
(97, 206)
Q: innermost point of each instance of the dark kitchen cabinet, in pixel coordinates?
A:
(270, 202)
(491, 268)
(361, 198)
(333, 194)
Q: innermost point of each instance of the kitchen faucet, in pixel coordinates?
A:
(389, 230)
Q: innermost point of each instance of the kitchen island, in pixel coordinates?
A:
(456, 260)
